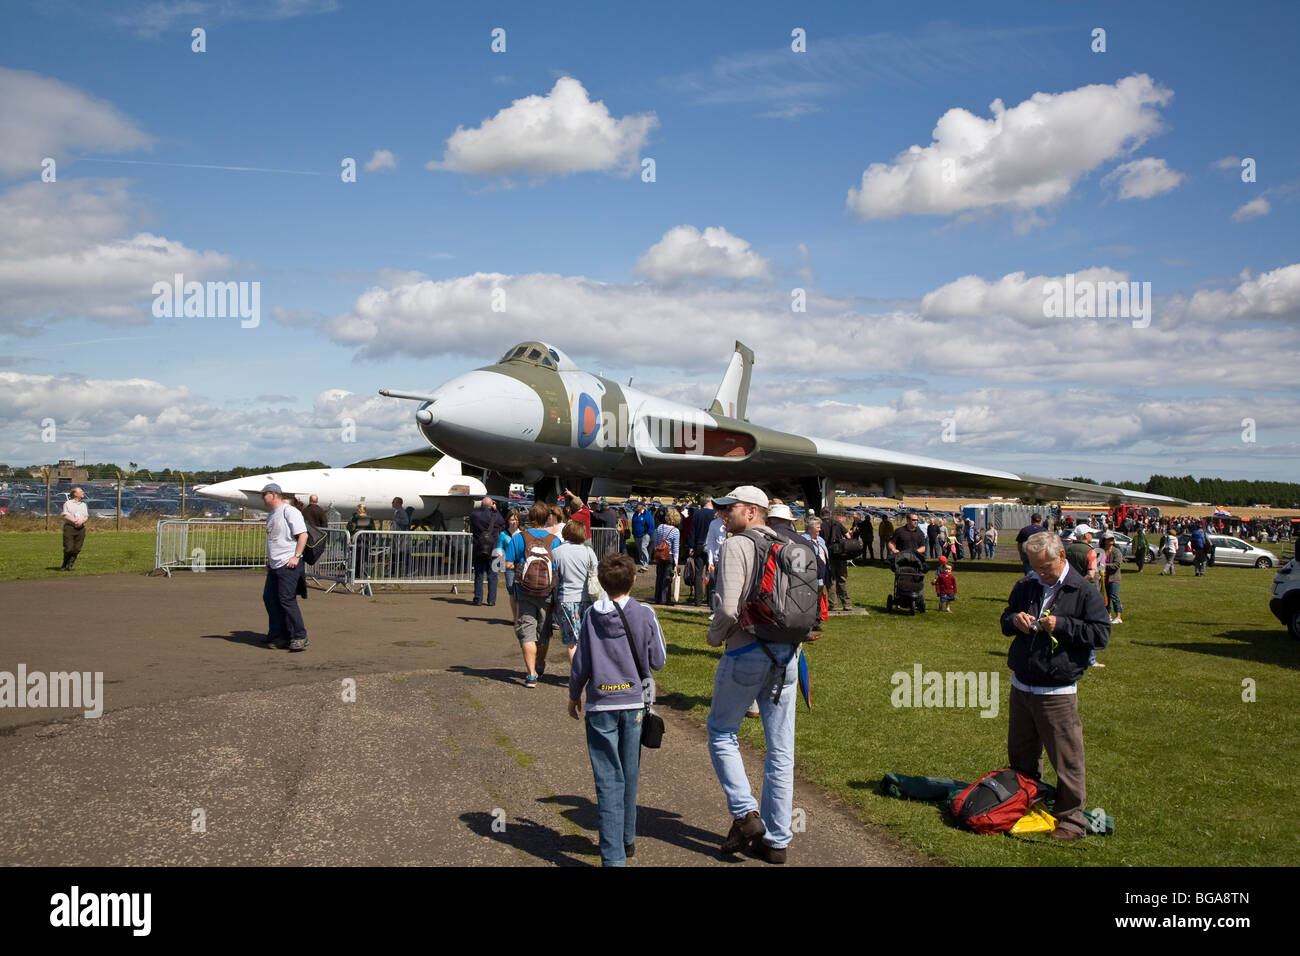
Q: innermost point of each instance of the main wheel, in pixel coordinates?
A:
(1294, 626)
(1264, 563)
(920, 605)
(889, 603)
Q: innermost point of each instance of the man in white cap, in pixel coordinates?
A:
(743, 675)
(286, 539)
(1080, 553)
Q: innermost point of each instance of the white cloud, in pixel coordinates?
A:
(159, 425)
(685, 252)
(63, 254)
(383, 159)
(562, 132)
(1144, 178)
(1274, 294)
(969, 328)
(1228, 162)
(1252, 210)
(1015, 295)
(1025, 157)
(41, 116)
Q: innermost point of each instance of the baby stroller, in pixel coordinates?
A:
(909, 583)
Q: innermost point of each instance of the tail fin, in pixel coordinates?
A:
(446, 467)
(733, 393)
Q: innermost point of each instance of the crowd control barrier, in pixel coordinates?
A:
(412, 557)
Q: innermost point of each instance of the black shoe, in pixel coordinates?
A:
(629, 850)
(541, 669)
(743, 831)
(770, 854)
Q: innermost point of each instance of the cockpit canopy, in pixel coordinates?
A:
(540, 355)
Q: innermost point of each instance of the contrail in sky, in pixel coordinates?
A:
(240, 169)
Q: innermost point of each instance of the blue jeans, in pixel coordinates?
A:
(1112, 592)
(643, 550)
(280, 595)
(614, 744)
(739, 680)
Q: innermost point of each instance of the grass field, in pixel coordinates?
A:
(1192, 773)
(38, 555)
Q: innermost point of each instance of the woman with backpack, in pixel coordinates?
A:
(665, 549)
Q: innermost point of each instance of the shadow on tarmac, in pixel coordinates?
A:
(505, 675)
(535, 839)
(251, 638)
(650, 822)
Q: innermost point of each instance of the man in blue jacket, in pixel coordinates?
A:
(643, 526)
(1057, 619)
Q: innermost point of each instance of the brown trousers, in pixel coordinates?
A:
(1052, 721)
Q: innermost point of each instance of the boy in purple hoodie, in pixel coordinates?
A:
(616, 699)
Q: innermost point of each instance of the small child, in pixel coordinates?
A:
(616, 699)
(945, 583)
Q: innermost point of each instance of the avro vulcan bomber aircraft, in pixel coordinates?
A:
(537, 418)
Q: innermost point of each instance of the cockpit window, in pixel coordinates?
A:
(537, 354)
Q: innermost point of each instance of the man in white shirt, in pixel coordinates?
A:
(75, 514)
(286, 539)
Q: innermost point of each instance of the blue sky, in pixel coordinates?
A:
(1124, 161)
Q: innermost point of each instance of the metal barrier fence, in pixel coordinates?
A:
(412, 557)
(202, 543)
(606, 541)
(356, 560)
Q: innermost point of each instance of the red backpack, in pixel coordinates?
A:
(994, 802)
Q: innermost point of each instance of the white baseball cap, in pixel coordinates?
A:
(780, 512)
(746, 494)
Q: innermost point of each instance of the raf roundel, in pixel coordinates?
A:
(588, 420)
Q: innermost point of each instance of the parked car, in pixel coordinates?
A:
(1285, 602)
(101, 507)
(1125, 545)
(1234, 551)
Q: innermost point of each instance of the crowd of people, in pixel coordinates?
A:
(556, 581)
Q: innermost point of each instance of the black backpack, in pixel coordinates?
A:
(783, 601)
(317, 538)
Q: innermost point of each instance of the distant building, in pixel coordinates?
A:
(66, 473)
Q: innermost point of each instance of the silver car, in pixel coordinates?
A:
(1234, 551)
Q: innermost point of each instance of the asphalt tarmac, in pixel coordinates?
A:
(214, 750)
